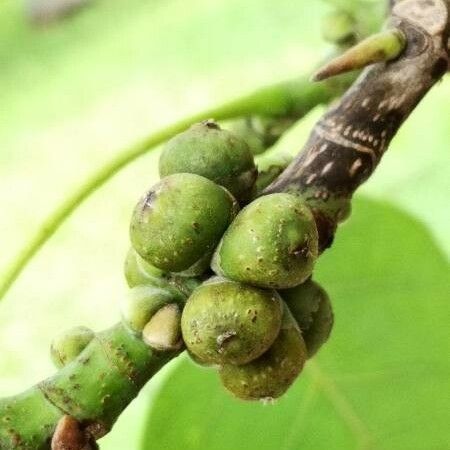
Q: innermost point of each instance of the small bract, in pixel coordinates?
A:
(229, 322)
(208, 150)
(163, 331)
(311, 308)
(180, 220)
(269, 376)
(68, 345)
(272, 243)
(139, 272)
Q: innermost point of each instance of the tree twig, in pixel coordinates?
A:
(348, 142)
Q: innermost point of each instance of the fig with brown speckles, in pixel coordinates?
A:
(230, 322)
(207, 150)
(271, 375)
(310, 305)
(180, 220)
(272, 243)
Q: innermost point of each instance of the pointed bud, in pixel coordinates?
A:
(163, 331)
(69, 344)
(383, 46)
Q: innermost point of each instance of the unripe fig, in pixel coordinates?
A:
(272, 243)
(139, 272)
(269, 168)
(270, 375)
(141, 303)
(180, 220)
(260, 132)
(311, 308)
(206, 149)
(229, 322)
(68, 345)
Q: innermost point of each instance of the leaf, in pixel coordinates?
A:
(379, 383)
(414, 173)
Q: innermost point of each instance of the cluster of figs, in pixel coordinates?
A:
(231, 265)
(252, 311)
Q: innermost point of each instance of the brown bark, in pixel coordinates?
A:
(347, 143)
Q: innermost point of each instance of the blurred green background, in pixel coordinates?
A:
(75, 92)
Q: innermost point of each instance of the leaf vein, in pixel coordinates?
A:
(342, 406)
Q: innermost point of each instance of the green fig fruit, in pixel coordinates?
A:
(269, 168)
(141, 303)
(139, 272)
(197, 269)
(180, 220)
(269, 376)
(272, 243)
(206, 149)
(69, 344)
(260, 132)
(311, 308)
(229, 322)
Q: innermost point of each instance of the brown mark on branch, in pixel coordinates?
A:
(69, 435)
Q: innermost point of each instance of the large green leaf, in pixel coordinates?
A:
(414, 173)
(379, 383)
